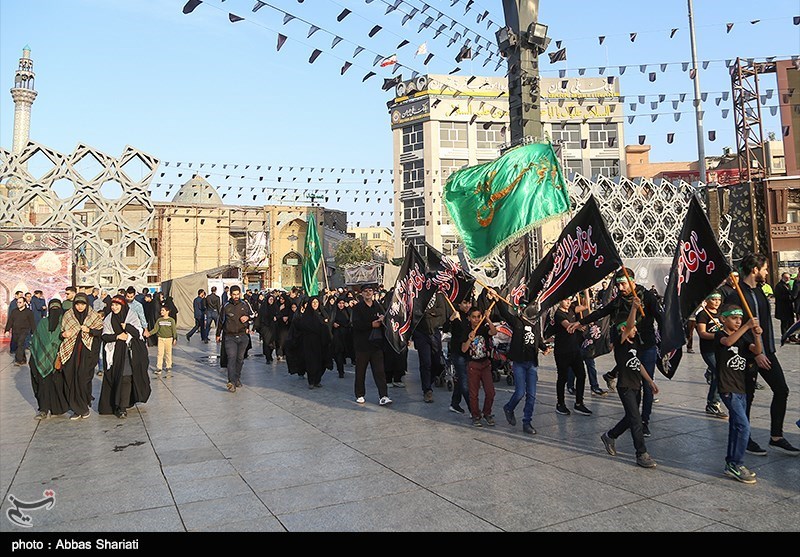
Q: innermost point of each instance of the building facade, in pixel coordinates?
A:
(378, 238)
(441, 123)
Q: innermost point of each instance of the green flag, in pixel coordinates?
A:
(312, 258)
(494, 203)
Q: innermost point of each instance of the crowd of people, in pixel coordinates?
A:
(84, 335)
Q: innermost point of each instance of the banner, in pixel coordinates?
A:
(409, 300)
(449, 276)
(516, 288)
(312, 258)
(698, 267)
(583, 255)
(494, 203)
(597, 337)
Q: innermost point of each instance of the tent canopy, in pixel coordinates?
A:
(184, 290)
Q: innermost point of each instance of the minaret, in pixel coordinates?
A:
(23, 94)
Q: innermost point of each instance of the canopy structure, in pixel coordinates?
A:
(184, 290)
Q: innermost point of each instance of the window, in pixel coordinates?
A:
(130, 250)
(363, 236)
(453, 134)
(448, 166)
(413, 175)
(414, 212)
(412, 138)
(154, 246)
(569, 135)
(376, 235)
(492, 137)
(573, 166)
(599, 135)
(152, 279)
(605, 167)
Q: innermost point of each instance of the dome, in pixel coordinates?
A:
(197, 191)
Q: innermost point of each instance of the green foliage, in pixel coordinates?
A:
(352, 251)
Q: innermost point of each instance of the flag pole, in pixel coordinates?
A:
(633, 288)
(717, 323)
(451, 303)
(325, 272)
(735, 281)
(495, 292)
(483, 317)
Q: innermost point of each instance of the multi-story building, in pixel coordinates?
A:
(378, 238)
(442, 123)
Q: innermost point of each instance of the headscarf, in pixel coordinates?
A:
(118, 319)
(71, 325)
(47, 339)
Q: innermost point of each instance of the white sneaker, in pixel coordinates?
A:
(361, 400)
(385, 400)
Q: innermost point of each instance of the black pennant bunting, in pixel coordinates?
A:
(314, 55)
(601, 38)
(366, 77)
(672, 33)
(344, 14)
(233, 18)
(633, 37)
(402, 44)
(345, 67)
(374, 30)
(191, 5)
(336, 40)
(670, 138)
(313, 29)
(281, 40)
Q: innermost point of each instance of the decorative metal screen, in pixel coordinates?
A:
(119, 201)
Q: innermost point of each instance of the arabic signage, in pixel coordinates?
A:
(579, 87)
(410, 111)
(722, 177)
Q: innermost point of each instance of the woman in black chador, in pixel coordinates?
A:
(126, 382)
(316, 341)
(341, 324)
(78, 354)
(47, 381)
(267, 323)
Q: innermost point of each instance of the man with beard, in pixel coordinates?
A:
(235, 324)
(126, 382)
(754, 269)
(80, 328)
(20, 324)
(368, 317)
(46, 380)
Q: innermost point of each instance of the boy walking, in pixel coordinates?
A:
(629, 389)
(479, 365)
(735, 350)
(166, 330)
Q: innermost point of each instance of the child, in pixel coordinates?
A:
(629, 388)
(167, 331)
(707, 326)
(479, 365)
(735, 349)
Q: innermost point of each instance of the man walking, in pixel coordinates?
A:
(784, 305)
(235, 327)
(213, 307)
(199, 308)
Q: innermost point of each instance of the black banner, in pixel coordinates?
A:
(597, 337)
(516, 287)
(448, 276)
(698, 267)
(583, 255)
(412, 292)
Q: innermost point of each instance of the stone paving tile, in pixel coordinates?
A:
(212, 513)
(203, 489)
(160, 519)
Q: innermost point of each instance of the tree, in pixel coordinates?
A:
(352, 251)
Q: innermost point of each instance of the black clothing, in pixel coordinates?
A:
(732, 362)
(230, 320)
(126, 382)
(566, 342)
(620, 307)
(213, 302)
(759, 306)
(712, 326)
(363, 316)
(628, 365)
(316, 341)
(526, 338)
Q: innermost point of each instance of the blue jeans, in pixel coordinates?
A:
(591, 371)
(429, 351)
(235, 347)
(199, 325)
(211, 315)
(738, 427)
(648, 358)
(526, 375)
(461, 388)
(710, 358)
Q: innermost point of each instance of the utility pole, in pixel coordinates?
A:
(521, 42)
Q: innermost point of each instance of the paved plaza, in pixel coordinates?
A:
(278, 457)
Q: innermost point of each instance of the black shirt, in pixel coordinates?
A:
(759, 306)
(230, 321)
(619, 308)
(732, 361)
(712, 326)
(526, 338)
(628, 363)
(480, 348)
(213, 302)
(363, 316)
(566, 342)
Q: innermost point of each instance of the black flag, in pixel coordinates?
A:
(558, 56)
(582, 256)
(408, 303)
(698, 267)
(597, 338)
(516, 287)
(449, 276)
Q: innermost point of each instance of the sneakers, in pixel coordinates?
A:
(645, 430)
(385, 400)
(121, 414)
(401, 385)
(477, 422)
(645, 461)
(582, 410)
(76, 416)
(754, 448)
(571, 390)
(609, 444)
(562, 409)
(456, 408)
(528, 428)
(716, 411)
(40, 416)
(784, 446)
(599, 392)
(739, 473)
(509, 416)
(231, 387)
(611, 382)
(759, 386)
(490, 420)
(428, 397)
(157, 372)
(168, 372)
(361, 400)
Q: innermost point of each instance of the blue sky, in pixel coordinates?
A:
(198, 88)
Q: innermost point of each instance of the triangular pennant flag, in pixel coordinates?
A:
(558, 44)
(391, 60)
(652, 76)
(643, 68)
(683, 97)
(796, 20)
(402, 44)
(455, 70)
(425, 23)
(754, 21)
(712, 135)
(233, 18)
(581, 71)
(191, 5)
(427, 59)
(344, 14)
(558, 56)
(281, 40)
(717, 100)
(357, 51)
(633, 37)
(287, 18)
(374, 30)
(336, 40)
(677, 116)
(728, 27)
(602, 70)
(672, 32)
(313, 29)
(670, 137)
(773, 110)
(464, 54)
(653, 117)
(392, 8)
(653, 105)
(622, 69)
(705, 64)
(684, 66)
(663, 68)
(642, 139)
(345, 67)
(391, 82)
(422, 49)
(366, 77)
(601, 38)
(378, 58)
